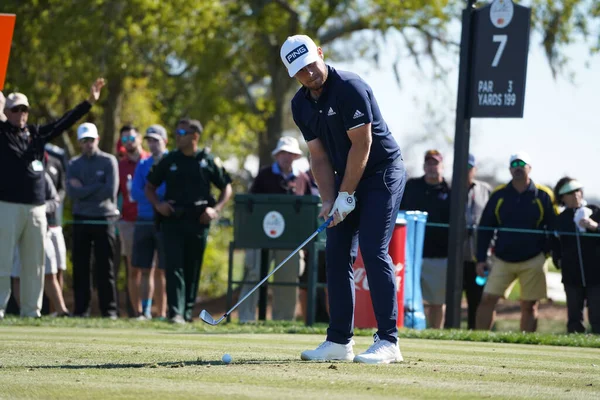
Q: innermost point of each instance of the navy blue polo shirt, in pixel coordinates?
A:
(531, 210)
(346, 102)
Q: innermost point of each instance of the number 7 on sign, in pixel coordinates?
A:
(502, 39)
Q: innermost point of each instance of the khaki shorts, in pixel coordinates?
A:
(433, 280)
(531, 274)
(126, 229)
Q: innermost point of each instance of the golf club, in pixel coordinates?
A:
(206, 317)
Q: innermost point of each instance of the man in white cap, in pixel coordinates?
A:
(281, 177)
(92, 183)
(360, 173)
(22, 194)
(520, 204)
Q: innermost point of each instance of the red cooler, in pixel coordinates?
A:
(364, 317)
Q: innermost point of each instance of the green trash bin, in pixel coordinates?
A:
(274, 221)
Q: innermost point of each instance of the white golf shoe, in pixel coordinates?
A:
(381, 352)
(329, 351)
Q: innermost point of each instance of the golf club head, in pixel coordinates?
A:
(206, 317)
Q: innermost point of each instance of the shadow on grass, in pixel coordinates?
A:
(165, 364)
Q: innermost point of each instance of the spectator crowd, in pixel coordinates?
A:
(145, 200)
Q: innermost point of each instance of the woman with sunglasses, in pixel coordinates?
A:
(576, 252)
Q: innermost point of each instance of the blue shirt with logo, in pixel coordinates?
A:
(346, 102)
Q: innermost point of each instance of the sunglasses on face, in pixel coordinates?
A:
(87, 140)
(126, 139)
(18, 109)
(517, 164)
(183, 132)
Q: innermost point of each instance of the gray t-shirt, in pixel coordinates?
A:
(100, 179)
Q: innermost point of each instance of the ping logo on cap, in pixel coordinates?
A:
(297, 52)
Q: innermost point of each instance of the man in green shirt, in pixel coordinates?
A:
(186, 213)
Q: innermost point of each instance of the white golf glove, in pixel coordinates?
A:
(344, 204)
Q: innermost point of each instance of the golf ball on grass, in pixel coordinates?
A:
(226, 358)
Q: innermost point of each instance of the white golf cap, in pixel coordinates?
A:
(570, 186)
(87, 130)
(289, 144)
(16, 99)
(297, 52)
(520, 155)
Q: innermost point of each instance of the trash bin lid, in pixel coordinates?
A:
(401, 218)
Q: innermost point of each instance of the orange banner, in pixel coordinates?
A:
(7, 26)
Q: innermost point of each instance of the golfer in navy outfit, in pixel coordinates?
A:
(359, 170)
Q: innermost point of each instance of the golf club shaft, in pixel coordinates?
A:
(315, 233)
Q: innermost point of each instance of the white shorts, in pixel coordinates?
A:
(60, 248)
(51, 262)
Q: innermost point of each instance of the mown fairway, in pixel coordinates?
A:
(157, 361)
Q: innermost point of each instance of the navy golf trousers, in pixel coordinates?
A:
(371, 224)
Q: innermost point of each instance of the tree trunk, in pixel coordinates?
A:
(111, 117)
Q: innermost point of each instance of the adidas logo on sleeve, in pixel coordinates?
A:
(358, 114)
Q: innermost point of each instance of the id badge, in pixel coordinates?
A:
(37, 166)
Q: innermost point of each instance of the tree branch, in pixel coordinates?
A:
(246, 91)
(348, 27)
(433, 36)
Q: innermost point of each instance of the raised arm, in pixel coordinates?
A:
(54, 129)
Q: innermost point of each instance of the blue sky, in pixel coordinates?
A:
(560, 128)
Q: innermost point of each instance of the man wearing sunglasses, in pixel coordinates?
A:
(22, 194)
(186, 213)
(132, 143)
(520, 204)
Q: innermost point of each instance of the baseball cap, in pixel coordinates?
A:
(297, 52)
(520, 155)
(471, 161)
(16, 99)
(570, 186)
(434, 154)
(157, 132)
(289, 144)
(87, 130)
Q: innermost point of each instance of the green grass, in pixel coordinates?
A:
(99, 359)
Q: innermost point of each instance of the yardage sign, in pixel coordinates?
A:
(499, 60)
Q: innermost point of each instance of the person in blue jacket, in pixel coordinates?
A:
(148, 249)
